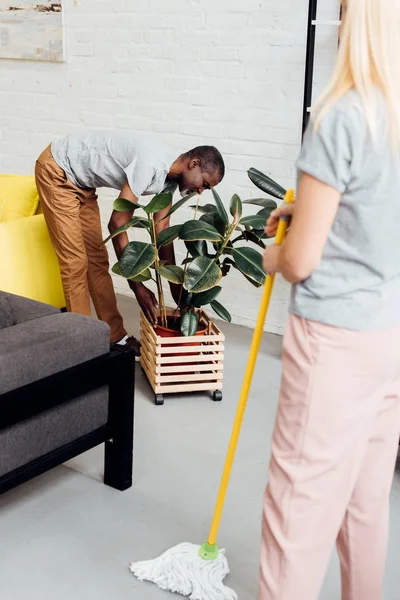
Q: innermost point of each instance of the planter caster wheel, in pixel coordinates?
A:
(158, 399)
(217, 396)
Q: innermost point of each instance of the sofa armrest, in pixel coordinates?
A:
(24, 309)
(47, 345)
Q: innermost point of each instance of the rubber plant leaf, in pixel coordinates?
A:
(201, 274)
(249, 262)
(194, 230)
(167, 236)
(266, 184)
(189, 323)
(123, 205)
(136, 257)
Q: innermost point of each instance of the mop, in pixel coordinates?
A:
(199, 571)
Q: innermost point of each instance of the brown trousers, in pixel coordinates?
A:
(73, 219)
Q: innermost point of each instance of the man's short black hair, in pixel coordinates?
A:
(211, 159)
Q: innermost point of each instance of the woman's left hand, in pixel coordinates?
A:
(271, 259)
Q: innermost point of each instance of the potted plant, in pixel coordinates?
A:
(216, 242)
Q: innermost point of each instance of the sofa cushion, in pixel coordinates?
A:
(24, 309)
(6, 319)
(41, 347)
(18, 197)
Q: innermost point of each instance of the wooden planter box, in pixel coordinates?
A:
(183, 364)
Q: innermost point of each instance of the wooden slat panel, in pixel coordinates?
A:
(197, 339)
(149, 359)
(161, 341)
(180, 341)
(150, 348)
(188, 387)
(191, 350)
(192, 378)
(216, 356)
(189, 368)
(148, 330)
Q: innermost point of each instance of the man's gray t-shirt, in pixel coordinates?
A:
(112, 158)
(357, 283)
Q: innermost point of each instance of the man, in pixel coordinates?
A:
(67, 175)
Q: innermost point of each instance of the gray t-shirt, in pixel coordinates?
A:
(357, 283)
(111, 158)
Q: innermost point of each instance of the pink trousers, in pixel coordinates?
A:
(334, 451)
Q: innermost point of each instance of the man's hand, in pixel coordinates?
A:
(147, 301)
(286, 210)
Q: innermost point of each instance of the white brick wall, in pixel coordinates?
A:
(224, 72)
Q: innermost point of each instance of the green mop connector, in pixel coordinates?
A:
(209, 552)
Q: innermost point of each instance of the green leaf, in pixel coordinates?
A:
(214, 220)
(209, 218)
(228, 262)
(236, 207)
(196, 249)
(265, 213)
(221, 311)
(266, 184)
(136, 257)
(172, 273)
(122, 205)
(256, 221)
(158, 203)
(207, 209)
(115, 269)
(178, 204)
(144, 276)
(189, 323)
(260, 233)
(135, 222)
(252, 236)
(199, 230)
(223, 215)
(167, 236)
(202, 274)
(205, 298)
(264, 202)
(249, 262)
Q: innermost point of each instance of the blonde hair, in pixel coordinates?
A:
(369, 55)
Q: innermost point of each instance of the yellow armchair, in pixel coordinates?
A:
(28, 263)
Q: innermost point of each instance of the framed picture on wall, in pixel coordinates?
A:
(31, 31)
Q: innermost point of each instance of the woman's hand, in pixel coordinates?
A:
(286, 210)
(271, 259)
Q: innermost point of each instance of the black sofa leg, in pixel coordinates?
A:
(118, 459)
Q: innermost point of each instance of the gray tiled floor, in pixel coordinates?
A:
(66, 536)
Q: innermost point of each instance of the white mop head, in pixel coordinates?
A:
(183, 571)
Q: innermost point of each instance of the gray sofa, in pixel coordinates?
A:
(62, 392)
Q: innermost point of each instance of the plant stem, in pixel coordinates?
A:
(161, 299)
(186, 264)
(231, 229)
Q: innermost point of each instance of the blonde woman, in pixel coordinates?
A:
(338, 423)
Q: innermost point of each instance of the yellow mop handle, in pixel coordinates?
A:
(251, 363)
